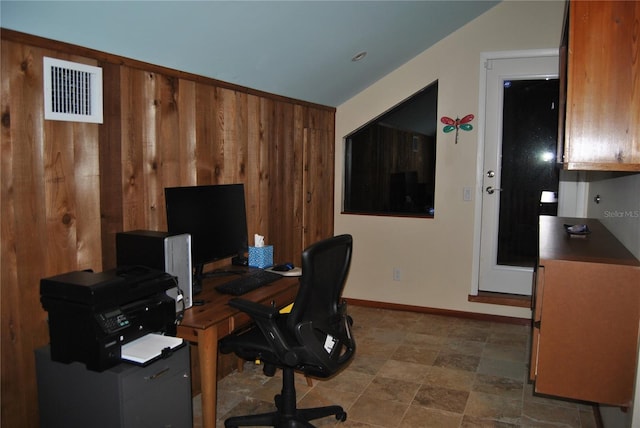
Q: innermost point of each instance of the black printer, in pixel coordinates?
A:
(92, 315)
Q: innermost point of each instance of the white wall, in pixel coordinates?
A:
(619, 211)
(619, 206)
(436, 255)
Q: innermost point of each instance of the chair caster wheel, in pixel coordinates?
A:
(341, 416)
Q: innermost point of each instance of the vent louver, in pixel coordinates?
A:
(73, 92)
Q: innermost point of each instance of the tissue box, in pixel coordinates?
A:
(261, 257)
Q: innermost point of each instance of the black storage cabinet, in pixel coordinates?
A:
(126, 396)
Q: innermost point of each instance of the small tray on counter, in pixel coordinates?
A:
(580, 230)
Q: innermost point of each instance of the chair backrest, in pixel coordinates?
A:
(325, 265)
(318, 317)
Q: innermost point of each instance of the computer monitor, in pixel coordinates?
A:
(215, 217)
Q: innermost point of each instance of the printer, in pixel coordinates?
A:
(92, 315)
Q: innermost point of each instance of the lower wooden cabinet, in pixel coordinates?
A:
(586, 315)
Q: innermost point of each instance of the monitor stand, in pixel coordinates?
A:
(198, 275)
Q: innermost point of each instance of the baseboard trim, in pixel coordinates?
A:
(436, 311)
(501, 299)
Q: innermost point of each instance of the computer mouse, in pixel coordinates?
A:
(283, 267)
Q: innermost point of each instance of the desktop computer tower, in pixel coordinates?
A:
(159, 250)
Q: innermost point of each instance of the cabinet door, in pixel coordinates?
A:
(318, 185)
(603, 86)
(588, 338)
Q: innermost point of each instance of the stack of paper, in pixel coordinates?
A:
(149, 347)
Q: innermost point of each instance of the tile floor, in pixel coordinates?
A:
(418, 370)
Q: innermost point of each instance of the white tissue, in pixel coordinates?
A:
(258, 240)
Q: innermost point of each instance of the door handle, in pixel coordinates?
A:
(490, 190)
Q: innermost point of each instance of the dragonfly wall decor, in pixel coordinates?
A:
(457, 123)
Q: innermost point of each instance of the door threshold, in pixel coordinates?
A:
(503, 299)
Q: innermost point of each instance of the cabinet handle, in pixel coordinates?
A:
(157, 375)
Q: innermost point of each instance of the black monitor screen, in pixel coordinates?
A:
(215, 216)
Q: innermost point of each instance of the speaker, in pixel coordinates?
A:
(160, 250)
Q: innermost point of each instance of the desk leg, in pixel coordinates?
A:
(208, 355)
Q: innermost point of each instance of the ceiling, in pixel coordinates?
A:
(299, 49)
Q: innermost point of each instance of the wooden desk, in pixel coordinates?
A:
(204, 325)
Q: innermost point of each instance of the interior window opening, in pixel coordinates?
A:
(390, 163)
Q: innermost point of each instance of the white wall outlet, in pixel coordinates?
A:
(466, 194)
(397, 274)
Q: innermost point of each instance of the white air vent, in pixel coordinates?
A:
(72, 91)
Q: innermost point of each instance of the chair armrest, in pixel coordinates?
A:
(265, 319)
(253, 309)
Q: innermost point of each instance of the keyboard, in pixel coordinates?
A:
(248, 282)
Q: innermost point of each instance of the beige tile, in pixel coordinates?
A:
(494, 407)
(411, 372)
(452, 360)
(433, 324)
(530, 396)
(249, 406)
(462, 346)
(515, 370)
(321, 397)
(539, 414)
(476, 334)
(349, 381)
(401, 321)
(381, 335)
(377, 412)
(374, 347)
(513, 339)
(450, 378)
(436, 397)
(392, 389)
(504, 352)
(418, 416)
(350, 423)
(429, 341)
(415, 354)
(508, 328)
(367, 365)
(480, 422)
(497, 385)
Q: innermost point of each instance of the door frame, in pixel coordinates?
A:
(482, 96)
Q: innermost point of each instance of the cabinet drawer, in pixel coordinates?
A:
(162, 396)
(156, 375)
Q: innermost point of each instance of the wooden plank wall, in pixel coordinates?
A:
(67, 188)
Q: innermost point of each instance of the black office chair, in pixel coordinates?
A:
(314, 338)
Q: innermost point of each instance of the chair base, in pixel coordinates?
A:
(277, 419)
(287, 414)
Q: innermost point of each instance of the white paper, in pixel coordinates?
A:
(148, 347)
(258, 240)
(329, 343)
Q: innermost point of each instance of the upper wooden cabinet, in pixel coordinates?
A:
(602, 122)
